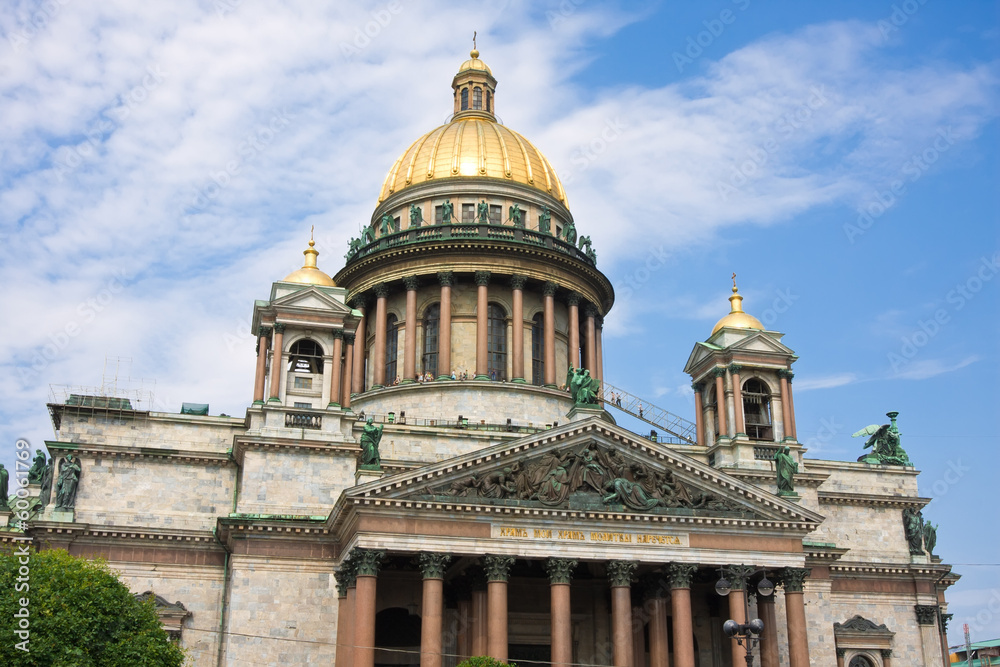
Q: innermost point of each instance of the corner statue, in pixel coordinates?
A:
(370, 458)
(786, 467)
(884, 442)
(69, 480)
(37, 468)
(582, 387)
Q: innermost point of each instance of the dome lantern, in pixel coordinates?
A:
(310, 274)
(474, 89)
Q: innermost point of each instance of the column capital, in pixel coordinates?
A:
(549, 288)
(346, 578)
(886, 653)
(735, 368)
(348, 338)
(367, 561)
(785, 373)
(926, 614)
(841, 652)
(738, 575)
(599, 321)
(446, 278)
(793, 578)
(381, 291)
(573, 299)
(263, 332)
(943, 621)
(279, 328)
(358, 301)
(590, 310)
(719, 372)
(411, 283)
(482, 278)
(697, 387)
(560, 570)
(498, 567)
(621, 572)
(518, 282)
(337, 333)
(680, 574)
(433, 565)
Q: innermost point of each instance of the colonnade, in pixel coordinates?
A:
(590, 348)
(735, 386)
(341, 368)
(482, 628)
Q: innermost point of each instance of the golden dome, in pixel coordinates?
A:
(475, 63)
(473, 147)
(309, 274)
(737, 319)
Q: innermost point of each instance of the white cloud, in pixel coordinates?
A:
(923, 369)
(825, 382)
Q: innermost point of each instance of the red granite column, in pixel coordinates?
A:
(480, 612)
(517, 328)
(768, 638)
(560, 574)
(620, 573)
(463, 642)
(573, 306)
(482, 324)
(720, 403)
(410, 327)
(345, 389)
(659, 648)
(367, 562)
(549, 319)
(739, 427)
(680, 575)
(447, 279)
(263, 345)
(841, 654)
(590, 313)
(345, 613)
(432, 566)
(497, 573)
(738, 614)
(795, 616)
(378, 350)
(786, 413)
(699, 414)
(277, 363)
(335, 369)
(361, 342)
(638, 638)
(599, 371)
(791, 403)
(887, 657)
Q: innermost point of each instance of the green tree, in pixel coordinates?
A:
(78, 615)
(484, 661)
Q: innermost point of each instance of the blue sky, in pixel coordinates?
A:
(839, 157)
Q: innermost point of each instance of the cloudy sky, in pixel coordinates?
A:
(162, 163)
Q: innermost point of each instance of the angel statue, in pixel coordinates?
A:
(582, 387)
(884, 442)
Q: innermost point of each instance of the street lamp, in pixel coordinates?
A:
(746, 635)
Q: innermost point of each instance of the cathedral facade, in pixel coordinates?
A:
(430, 467)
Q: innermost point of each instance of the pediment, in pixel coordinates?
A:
(700, 352)
(590, 467)
(762, 341)
(311, 298)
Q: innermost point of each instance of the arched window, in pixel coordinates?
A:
(432, 324)
(477, 98)
(537, 350)
(391, 348)
(860, 661)
(496, 342)
(306, 356)
(757, 410)
(465, 99)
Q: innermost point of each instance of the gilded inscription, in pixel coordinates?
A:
(599, 536)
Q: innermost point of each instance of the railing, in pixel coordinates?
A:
(465, 423)
(303, 420)
(764, 452)
(677, 426)
(462, 231)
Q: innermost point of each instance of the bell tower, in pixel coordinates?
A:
(475, 89)
(742, 380)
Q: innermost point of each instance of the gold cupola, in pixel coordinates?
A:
(310, 274)
(737, 319)
(475, 89)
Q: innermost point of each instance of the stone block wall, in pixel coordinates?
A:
(293, 481)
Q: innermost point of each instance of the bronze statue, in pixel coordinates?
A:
(69, 481)
(4, 479)
(913, 527)
(582, 387)
(385, 225)
(884, 442)
(545, 221)
(515, 215)
(785, 467)
(45, 495)
(416, 215)
(483, 213)
(369, 236)
(37, 468)
(370, 438)
(930, 537)
(630, 494)
(569, 233)
(447, 210)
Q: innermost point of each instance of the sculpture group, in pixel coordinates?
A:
(582, 387)
(593, 475)
(884, 443)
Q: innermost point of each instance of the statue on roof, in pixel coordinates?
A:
(884, 442)
(69, 481)
(569, 233)
(930, 537)
(483, 213)
(37, 468)
(367, 236)
(447, 211)
(785, 467)
(514, 215)
(582, 387)
(370, 439)
(545, 221)
(913, 527)
(45, 495)
(4, 486)
(416, 215)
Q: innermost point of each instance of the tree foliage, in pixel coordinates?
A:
(484, 661)
(79, 615)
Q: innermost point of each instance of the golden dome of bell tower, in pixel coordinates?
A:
(475, 89)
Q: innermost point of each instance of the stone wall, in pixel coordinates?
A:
(290, 481)
(158, 430)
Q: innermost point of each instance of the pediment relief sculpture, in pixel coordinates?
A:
(587, 477)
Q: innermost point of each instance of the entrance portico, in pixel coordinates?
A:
(573, 574)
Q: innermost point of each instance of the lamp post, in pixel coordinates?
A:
(747, 634)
